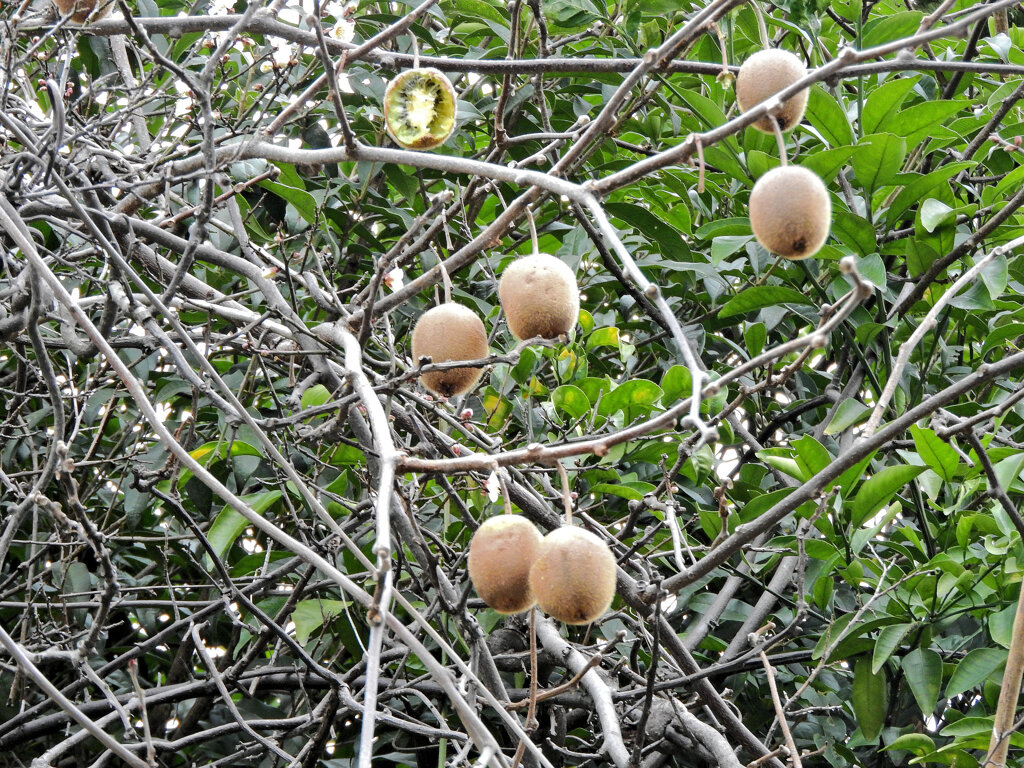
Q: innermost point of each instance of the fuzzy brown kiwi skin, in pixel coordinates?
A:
(764, 74)
(539, 296)
(449, 332)
(573, 576)
(790, 212)
(80, 9)
(500, 556)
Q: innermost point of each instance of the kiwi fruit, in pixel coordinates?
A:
(419, 108)
(790, 211)
(449, 332)
(573, 576)
(500, 556)
(764, 74)
(80, 9)
(539, 296)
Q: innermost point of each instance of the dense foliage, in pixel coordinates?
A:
(229, 514)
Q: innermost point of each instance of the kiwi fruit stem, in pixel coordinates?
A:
(415, 51)
(566, 492)
(779, 140)
(446, 280)
(762, 29)
(533, 230)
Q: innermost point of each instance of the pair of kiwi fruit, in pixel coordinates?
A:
(570, 573)
(790, 208)
(539, 296)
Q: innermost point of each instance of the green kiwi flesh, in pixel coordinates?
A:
(500, 556)
(764, 74)
(419, 108)
(539, 296)
(445, 333)
(573, 576)
(790, 211)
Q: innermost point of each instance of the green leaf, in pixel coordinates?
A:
(812, 454)
(311, 614)
(571, 401)
(918, 743)
(1008, 470)
(935, 213)
(889, 639)
(1000, 625)
(883, 103)
(937, 454)
(829, 118)
(920, 121)
(974, 669)
(870, 698)
(651, 228)
(230, 523)
(755, 337)
(877, 159)
(632, 490)
(994, 275)
(854, 232)
(603, 337)
(301, 200)
(923, 669)
(827, 162)
(634, 398)
(919, 188)
(849, 413)
(876, 492)
(759, 297)
(890, 26)
(726, 245)
(318, 394)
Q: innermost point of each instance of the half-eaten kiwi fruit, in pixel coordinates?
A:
(500, 556)
(419, 108)
(573, 576)
(764, 74)
(539, 296)
(445, 333)
(790, 211)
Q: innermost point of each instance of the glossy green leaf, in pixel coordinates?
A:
(889, 639)
(829, 118)
(922, 668)
(759, 297)
(877, 159)
(318, 394)
(884, 102)
(877, 491)
(651, 227)
(230, 523)
(849, 413)
(937, 453)
(974, 668)
(570, 400)
(870, 698)
(309, 615)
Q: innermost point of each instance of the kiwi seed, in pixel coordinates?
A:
(500, 555)
(790, 211)
(449, 332)
(419, 108)
(764, 74)
(539, 296)
(573, 576)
